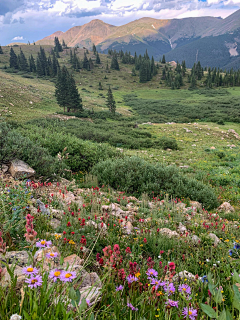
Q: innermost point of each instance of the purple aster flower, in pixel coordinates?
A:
(152, 273)
(157, 283)
(34, 281)
(51, 255)
(189, 313)
(131, 278)
(67, 276)
(29, 270)
(43, 244)
(184, 288)
(132, 307)
(172, 303)
(120, 288)
(169, 288)
(88, 302)
(55, 274)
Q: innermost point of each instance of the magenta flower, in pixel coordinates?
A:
(184, 288)
(169, 288)
(34, 281)
(172, 303)
(189, 313)
(152, 273)
(131, 278)
(55, 274)
(67, 276)
(132, 307)
(157, 283)
(120, 288)
(88, 302)
(51, 255)
(29, 270)
(43, 244)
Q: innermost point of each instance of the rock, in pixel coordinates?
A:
(225, 207)
(169, 233)
(196, 204)
(214, 238)
(236, 135)
(105, 208)
(58, 214)
(184, 275)
(195, 239)
(20, 169)
(55, 223)
(40, 256)
(72, 260)
(102, 226)
(182, 229)
(42, 207)
(180, 205)
(92, 223)
(15, 257)
(92, 294)
(128, 227)
(212, 148)
(6, 280)
(187, 130)
(184, 167)
(4, 168)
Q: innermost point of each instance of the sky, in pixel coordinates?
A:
(32, 20)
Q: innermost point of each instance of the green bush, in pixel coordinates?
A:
(14, 145)
(167, 143)
(136, 176)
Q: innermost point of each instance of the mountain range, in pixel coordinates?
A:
(213, 41)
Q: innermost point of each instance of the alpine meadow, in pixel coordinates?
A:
(120, 169)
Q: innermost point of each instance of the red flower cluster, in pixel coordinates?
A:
(31, 233)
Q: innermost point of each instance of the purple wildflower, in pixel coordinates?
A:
(189, 313)
(29, 270)
(152, 273)
(132, 307)
(169, 288)
(157, 283)
(67, 276)
(172, 303)
(34, 281)
(88, 302)
(184, 288)
(43, 244)
(120, 288)
(51, 255)
(55, 274)
(131, 279)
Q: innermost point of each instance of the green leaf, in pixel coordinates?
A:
(228, 315)
(83, 305)
(236, 277)
(72, 294)
(223, 315)
(78, 295)
(209, 277)
(92, 317)
(211, 288)
(218, 296)
(236, 291)
(209, 311)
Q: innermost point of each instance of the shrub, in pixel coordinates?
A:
(134, 175)
(167, 143)
(14, 145)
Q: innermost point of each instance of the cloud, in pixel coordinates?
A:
(18, 38)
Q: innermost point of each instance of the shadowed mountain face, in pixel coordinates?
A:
(213, 41)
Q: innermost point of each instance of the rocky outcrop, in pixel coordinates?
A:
(214, 238)
(169, 233)
(226, 207)
(20, 169)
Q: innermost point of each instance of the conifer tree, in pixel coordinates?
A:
(23, 64)
(94, 49)
(100, 86)
(74, 99)
(163, 59)
(13, 59)
(85, 62)
(32, 65)
(133, 72)
(64, 45)
(1, 50)
(143, 72)
(58, 46)
(71, 57)
(98, 61)
(184, 68)
(110, 101)
(114, 63)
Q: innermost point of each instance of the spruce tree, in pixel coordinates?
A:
(134, 72)
(143, 72)
(94, 49)
(1, 50)
(58, 47)
(13, 59)
(163, 59)
(23, 64)
(85, 62)
(32, 65)
(98, 61)
(74, 99)
(64, 45)
(114, 63)
(110, 101)
(184, 68)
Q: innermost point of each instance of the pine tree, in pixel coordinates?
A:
(32, 65)
(114, 63)
(100, 86)
(74, 99)
(94, 49)
(184, 68)
(110, 101)
(1, 50)
(23, 64)
(64, 45)
(98, 61)
(143, 72)
(13, 59)
(134, 72)
(85, 62)
(58, 47)
(71, 57)
(42, 63)
(163, 59)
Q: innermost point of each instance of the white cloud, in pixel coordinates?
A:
(18, 38)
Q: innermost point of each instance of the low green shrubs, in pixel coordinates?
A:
(137, 176)
(167, 143)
